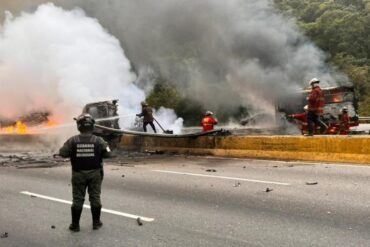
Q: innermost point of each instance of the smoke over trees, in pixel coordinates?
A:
(221, 55)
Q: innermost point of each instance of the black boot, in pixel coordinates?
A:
(96, 217)
(76, 215)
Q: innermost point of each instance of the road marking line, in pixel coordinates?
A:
(131, 216)
(223, 177)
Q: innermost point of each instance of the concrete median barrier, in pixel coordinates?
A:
(342, 149)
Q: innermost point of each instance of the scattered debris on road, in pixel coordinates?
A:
(151, 152)
(53, 227)
(211, 170)
(4, 235)
(244, 167)
(275, 166)
(139, 222)
(237, 184)
(311, 183)
(23, 160)
(123, 175)
(290, 165)
(268, 190)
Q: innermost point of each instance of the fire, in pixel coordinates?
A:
(52, 123)
(19, 129)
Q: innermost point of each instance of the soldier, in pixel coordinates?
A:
(86, 152)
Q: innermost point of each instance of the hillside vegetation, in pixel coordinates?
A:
(342, 29)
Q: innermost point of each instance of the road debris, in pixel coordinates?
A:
(139, 222)
(244, 167)
(53, 227)
(268, 190)
(211, 170)
(23, 160)
(311, 183)
(4, 235)
(123, 176)
(237, 184)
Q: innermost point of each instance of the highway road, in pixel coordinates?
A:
(192, 201)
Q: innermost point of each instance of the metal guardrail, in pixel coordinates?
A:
(364, 119)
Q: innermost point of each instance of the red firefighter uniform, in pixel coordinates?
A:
(344, 124)
(302, 118)
(208, 122)
(316, 101)
(341, 127)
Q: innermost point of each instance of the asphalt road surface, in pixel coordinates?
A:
(180, 203)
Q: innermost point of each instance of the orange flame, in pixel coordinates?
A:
(52, 123)
(19, 129)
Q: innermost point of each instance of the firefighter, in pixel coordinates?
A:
(344, 122)
(147, 113)
(302, 117)
(208, 122)
(86, 152)
(316, 103)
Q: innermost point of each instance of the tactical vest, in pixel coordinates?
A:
(86, 154)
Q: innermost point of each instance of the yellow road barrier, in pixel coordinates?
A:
(342, 149)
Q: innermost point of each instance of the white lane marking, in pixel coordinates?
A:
(223, 177)
(131, 216)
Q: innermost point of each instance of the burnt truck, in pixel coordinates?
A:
(336, 98)
(105, 114)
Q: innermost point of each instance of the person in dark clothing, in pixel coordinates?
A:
(316, 103)
(147, 113)
(86, 152)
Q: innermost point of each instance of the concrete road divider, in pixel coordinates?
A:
(342, 149)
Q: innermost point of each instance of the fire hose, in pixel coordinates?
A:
(193, 135)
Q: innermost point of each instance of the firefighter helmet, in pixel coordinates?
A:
(85, 122)
(305, 108)
(313, 81)
(209, 113)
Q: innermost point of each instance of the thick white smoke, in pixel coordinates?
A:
(57, 60)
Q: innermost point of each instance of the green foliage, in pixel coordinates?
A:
(164, 94)
(167, 95)
(341, 28)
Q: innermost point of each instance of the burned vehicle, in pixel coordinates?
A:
(336, 98)
(31, 119)
(105, 114)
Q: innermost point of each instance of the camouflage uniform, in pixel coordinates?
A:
(86, 152)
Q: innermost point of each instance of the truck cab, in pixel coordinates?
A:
(105, 114)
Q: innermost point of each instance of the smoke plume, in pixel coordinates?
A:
(223, 54)
(57, 61)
